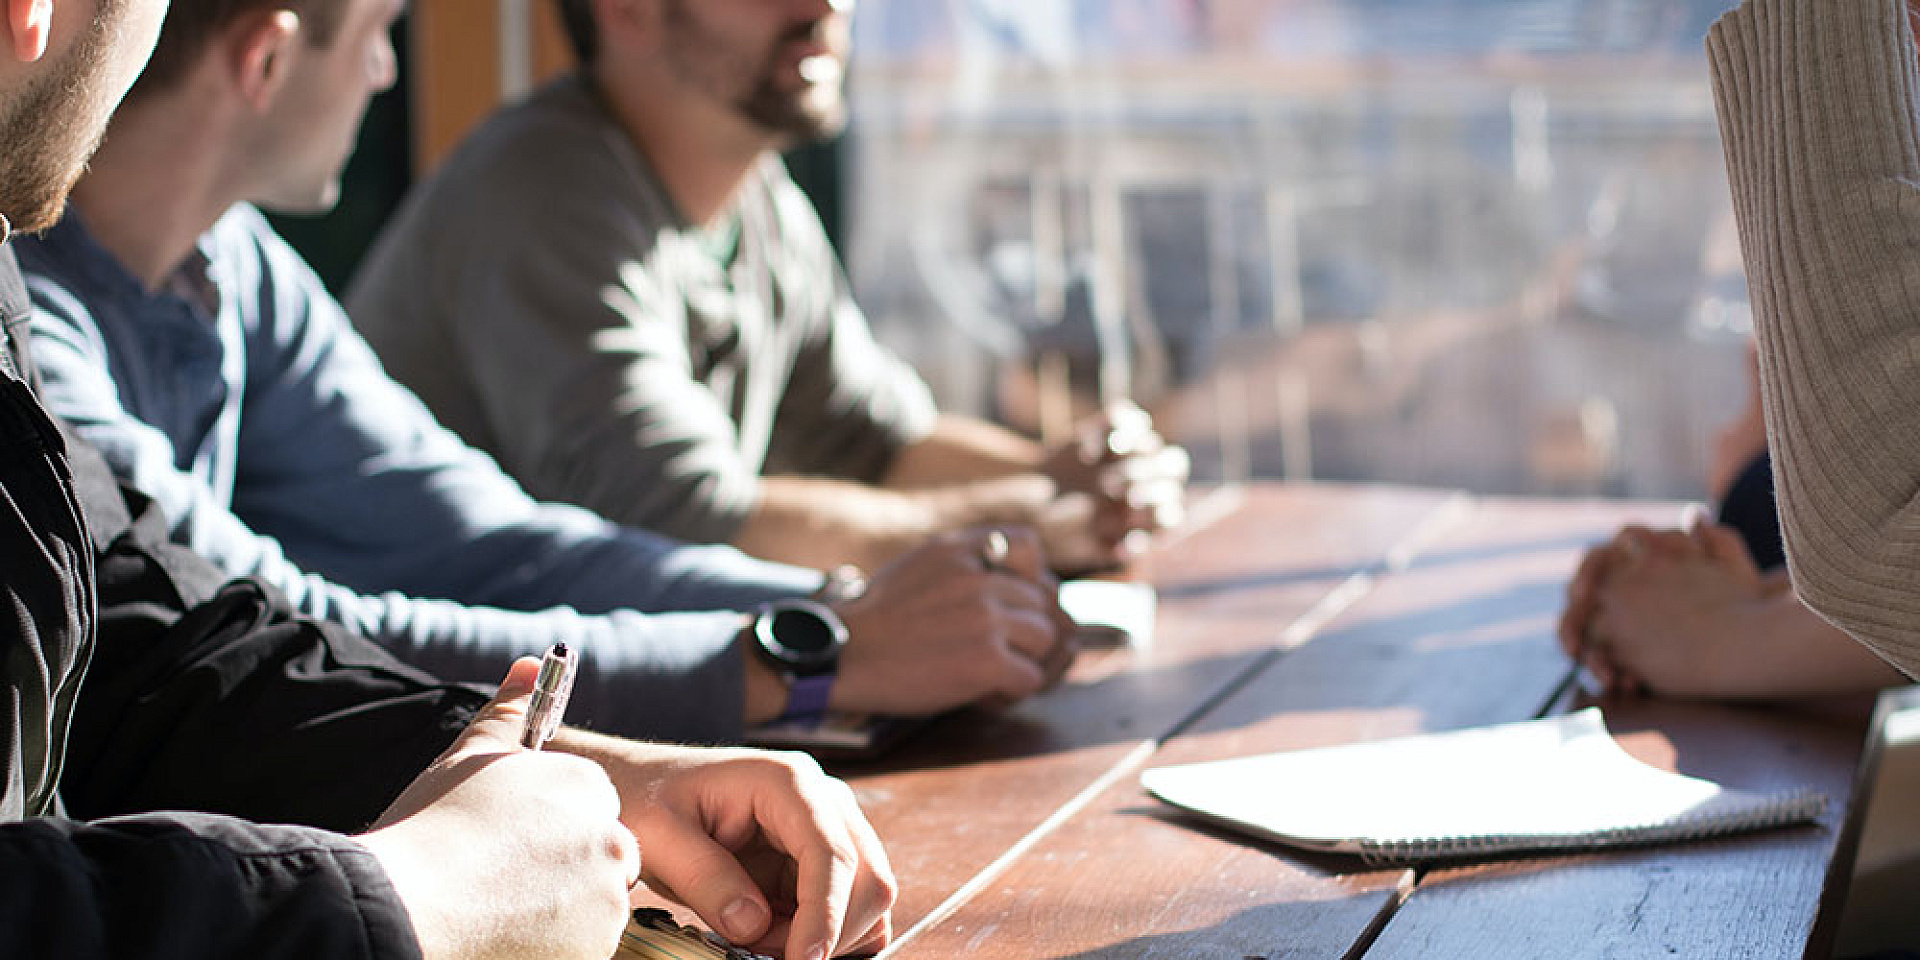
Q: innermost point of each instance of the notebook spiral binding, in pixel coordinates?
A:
(1705, 823)
(654, 935)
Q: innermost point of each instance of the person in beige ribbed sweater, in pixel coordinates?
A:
(1817, 102)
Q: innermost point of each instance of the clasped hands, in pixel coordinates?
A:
(1666, 611)
(1116, 480)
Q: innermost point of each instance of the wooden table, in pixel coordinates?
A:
(1300, 616)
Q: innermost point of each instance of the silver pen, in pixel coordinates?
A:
(550, 692)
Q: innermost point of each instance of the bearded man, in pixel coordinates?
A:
(616, 290)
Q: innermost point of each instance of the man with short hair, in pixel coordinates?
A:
(201, 355)
(137, 681)
(662, 333)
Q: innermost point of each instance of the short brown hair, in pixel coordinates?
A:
(192, 24)
(582, 32)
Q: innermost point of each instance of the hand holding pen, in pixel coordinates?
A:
(514, 852)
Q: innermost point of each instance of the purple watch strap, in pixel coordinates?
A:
(807, 700)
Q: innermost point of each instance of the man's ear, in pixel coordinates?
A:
(258, 48)
(28, 24)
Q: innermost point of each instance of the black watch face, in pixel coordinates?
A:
(803, 633)
(803, 636)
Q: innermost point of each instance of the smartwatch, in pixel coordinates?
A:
(801, 641)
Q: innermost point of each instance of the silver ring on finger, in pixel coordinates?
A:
(994, 553)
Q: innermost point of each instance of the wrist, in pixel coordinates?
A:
(799, 643)
(894, 522)
(766, 691)
(1757, 656)
(413, 885)
(1020, 498)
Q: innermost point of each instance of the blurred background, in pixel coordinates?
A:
(1473, 243)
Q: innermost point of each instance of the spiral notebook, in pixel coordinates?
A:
(1554, 784)
(653, 934)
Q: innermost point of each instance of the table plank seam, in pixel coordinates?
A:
(1401, 555)
(1409, 880)
(1206, 510)
(1837, 876)
(992, 871)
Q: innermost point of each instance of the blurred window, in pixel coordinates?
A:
(1483, 243)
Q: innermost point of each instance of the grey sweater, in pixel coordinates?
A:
(546, 298)
(1817, 103)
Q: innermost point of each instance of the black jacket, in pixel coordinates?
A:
(138, 681)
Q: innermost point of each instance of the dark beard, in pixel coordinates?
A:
(52, 125)
(794, 117)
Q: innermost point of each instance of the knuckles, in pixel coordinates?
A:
(790, 771)
(886, 889)
(562, 773)
(617, 845)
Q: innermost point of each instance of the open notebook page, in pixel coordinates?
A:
(1554, 783)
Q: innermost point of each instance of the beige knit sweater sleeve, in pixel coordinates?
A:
(1817, 103)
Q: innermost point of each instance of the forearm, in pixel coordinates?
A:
(235, 706)
(373, 493)
(602, 568)
(1817, 105)
(824, 523)
(962, 449)
(197, 886)
(672, 676)
(1787, 651)
(762, 698)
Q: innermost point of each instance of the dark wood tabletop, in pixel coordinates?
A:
(1311, 615)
